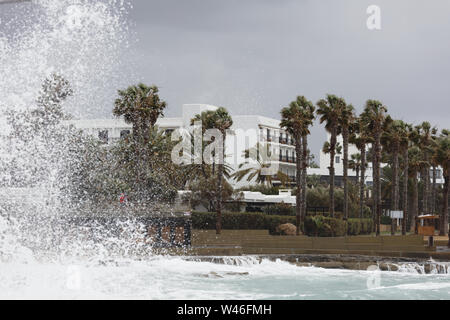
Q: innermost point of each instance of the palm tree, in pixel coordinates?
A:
(415, 165)
(140, 106)
(441, 155)
(259, 170)
(329, 110)
(345, 121)
(309, 116)
(296, 120)
(374, 116)
(221, 120)
(360, 138)
(355, 164)
(425, 140)
(394, 138)
(408, 131)
(434, 165)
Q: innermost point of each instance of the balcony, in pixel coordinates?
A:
(287, 159)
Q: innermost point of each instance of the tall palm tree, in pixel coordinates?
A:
(415, 164)
(355, 164)
(140, 106)
(360, 138)
(306, 156)
(394, 138)
(296, 120)
(329, 110)
(221, 120)
(345, 121)
(426, 140)
(405, 148)
(434, 164)
(441, 155)
(374, 115)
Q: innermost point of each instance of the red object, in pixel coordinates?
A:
(122, 198)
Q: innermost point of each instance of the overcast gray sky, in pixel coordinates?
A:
(255, 56)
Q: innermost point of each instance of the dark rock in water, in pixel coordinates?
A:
(214, 274)
(237, 273)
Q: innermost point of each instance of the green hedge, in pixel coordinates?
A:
(386, 220)
(240, 220)
(280, 209)
(317, 226)
(359, 226)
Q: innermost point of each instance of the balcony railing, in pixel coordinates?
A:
(287, 159)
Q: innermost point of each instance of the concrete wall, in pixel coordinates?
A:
(260, 242)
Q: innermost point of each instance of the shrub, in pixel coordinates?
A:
(320, 226)
(353, 227)
(386, 220)
(317, 226)
(240, 220)
(272, 222)
(281, 209)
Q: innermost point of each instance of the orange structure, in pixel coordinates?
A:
(426, 225)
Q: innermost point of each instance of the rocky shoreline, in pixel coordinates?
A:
(341, 261)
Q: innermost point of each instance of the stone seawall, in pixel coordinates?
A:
(259, 242)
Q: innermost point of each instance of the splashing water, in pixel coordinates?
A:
(42, 257)
(83, 40)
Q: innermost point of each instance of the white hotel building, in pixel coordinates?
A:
(247, 130)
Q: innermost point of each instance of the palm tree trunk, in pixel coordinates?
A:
(426, 182)
(405, 192)
(415, 206)
(376, 176)
(362, 182)
(395, 191)
(220, 185)
(298, 180)
(433, 192)
(345, 175)
(304, 174)
(331, 168)
(444, 215)
(379, 207)
(357, 175)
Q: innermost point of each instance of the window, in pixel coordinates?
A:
(103, 136)
(268, 134)
(337, 159)
(124, 133)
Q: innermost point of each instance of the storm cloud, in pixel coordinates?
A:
(255, 56)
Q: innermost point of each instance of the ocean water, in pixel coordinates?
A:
(168, 277)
